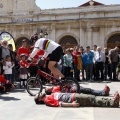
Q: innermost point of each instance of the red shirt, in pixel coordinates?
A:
(3, 81)
(23, 50)
(55, 99)
(40, 53)
(56, 89)
(75, 56)
(72, 89)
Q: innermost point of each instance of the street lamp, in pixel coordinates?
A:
(41, 33)
(46, 35)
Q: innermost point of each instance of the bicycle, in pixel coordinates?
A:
(34, 84)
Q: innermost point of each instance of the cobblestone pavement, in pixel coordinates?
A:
(19, 105)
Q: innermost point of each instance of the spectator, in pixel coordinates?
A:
(88, 57)
(94, 63)
(106, 73)
(68, 59)
(7, 67)
(23, 50)
(23, 71)
(33, 67)
(83, 64)
(100, 60)
(72, 70)
(13, 59)
(76, 54)
(3, 53)
(113, 60)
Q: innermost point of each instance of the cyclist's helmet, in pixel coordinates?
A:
(34, 38)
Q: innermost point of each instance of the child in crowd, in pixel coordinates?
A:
(7, 67)
(23, 71)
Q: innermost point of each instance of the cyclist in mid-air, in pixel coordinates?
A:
(52, 49)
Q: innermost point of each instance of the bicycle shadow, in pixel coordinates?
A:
(7, 98)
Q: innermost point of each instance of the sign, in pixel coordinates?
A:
(8, 37)
(22, 20)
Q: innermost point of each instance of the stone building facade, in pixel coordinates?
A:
(87, 24)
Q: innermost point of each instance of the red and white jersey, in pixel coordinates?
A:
(24, 51)
(55, 99)
(56, 89)
(48, 46)
(72, 89)
(24, 64)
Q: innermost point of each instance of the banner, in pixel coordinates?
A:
(8, 37)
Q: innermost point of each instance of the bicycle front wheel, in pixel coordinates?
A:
(34, 86)
(70, 85)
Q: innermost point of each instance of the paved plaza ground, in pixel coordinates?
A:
(19, 105)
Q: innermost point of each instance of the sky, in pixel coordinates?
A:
(49, 4)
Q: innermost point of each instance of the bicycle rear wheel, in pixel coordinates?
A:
(70, 85)
(34, 86)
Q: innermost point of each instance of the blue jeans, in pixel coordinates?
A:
(8, 77)
(92, 92)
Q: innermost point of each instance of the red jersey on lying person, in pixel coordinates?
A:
(5, 84)
(72, 89)
(3, 80)
(55, 99)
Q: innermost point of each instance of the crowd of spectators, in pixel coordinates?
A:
(83, 64)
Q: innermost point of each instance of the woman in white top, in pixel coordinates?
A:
(50, 48)
(7, 67)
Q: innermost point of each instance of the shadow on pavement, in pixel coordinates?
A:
(7, 98)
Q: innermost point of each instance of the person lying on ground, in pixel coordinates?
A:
(5, 85)
(76, 100)
(104, 92)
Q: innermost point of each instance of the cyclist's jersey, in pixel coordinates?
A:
(55, 99)
(48, 46)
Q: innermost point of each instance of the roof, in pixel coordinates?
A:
(88, 4)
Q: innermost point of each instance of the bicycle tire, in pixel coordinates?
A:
(33, 86)
(68, 84)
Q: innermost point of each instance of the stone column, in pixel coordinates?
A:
(90, 37)
(52, 33)
(82, 37)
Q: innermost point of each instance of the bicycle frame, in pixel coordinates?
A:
(46, 76)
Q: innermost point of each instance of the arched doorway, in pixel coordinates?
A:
(68, 41)
(19, 42)
(113, 41)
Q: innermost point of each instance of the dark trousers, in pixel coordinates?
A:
(89, 71)
(67, 71)
(76, 72)
(92, 92)
(106, 73)
(113, 67)
(94, 71)
(8, 77)
(99, 69)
